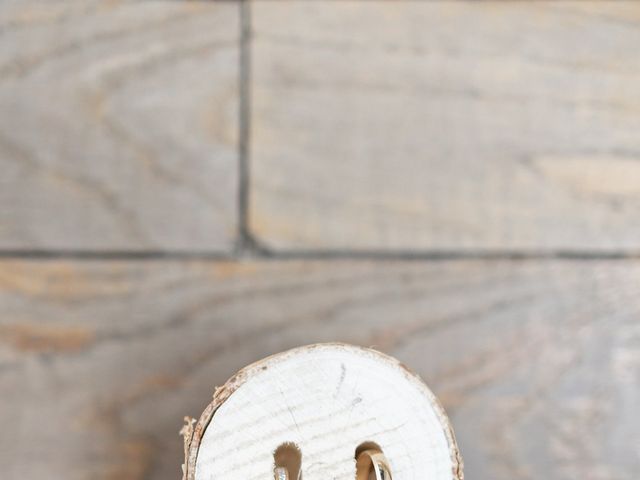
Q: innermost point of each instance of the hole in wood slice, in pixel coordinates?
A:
(366, 446)
(287, 461)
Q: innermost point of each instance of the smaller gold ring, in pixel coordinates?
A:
(281, 473)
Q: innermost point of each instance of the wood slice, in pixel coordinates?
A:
(327, 401)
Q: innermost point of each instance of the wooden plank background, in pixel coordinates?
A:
(446, 126)
(536, 362)
(118, 119)
(188, 187)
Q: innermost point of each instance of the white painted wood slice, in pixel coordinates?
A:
(327, 399)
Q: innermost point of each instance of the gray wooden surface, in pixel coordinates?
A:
(187, 187)
(446, 125)
(536, 362)
(119, 125)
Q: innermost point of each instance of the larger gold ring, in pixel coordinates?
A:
(372, 461)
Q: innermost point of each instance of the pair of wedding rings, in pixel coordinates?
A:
(370, 465)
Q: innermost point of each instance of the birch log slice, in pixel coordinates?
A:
(328, 400)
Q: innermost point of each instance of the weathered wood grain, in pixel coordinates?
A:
(537, 363)
(446, 125)
(119, 125)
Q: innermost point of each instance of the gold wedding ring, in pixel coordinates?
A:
(372, 465)
(281, 473)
